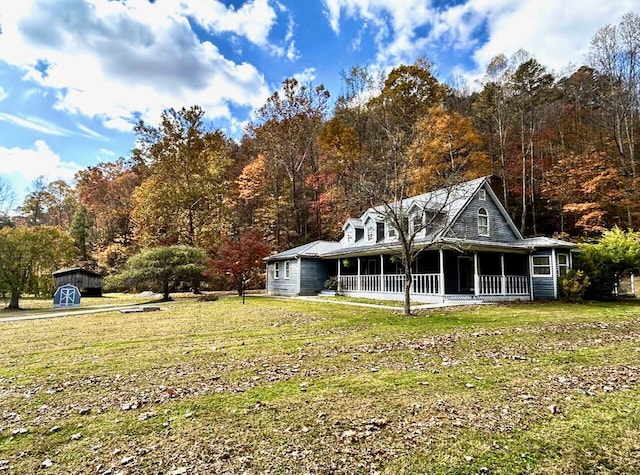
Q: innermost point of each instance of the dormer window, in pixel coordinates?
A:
(371, 232)
(391, 232)
(416, 223)
(483, 222)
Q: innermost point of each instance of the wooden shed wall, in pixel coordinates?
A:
(80, 280)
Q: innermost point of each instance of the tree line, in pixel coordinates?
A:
(562, 149)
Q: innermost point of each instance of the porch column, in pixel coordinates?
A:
(503, 279)
(530, 275)
(382, 289)
(441, 277)
(358, 283)
(299, 275)
(339, 285)
(554, 272)
(476, 275)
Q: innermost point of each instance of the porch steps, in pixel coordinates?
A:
(327, 293)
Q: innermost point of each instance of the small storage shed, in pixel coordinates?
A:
(66, 296)
(88, 281)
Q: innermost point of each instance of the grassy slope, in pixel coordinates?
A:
(285, 386)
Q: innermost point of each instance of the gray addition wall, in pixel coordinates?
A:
(314, 273)
(283, 286)
(543, 286)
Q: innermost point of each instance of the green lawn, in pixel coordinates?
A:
(289, 386)
(37, 305)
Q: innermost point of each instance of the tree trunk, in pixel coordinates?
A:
(407, 289)
(13, 303)
(195, 287)
(523, 218)
(237, 281)
(532, 190)
(165, 290)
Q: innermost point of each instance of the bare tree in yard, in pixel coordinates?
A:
(397, 161)
(415, 223)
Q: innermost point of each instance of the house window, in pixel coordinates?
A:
(541, 265)
(482, 195)
(286, 269)
(391, 232)
(563, 264)
(276, 270)
(371, 234)
(416, 223)
(483, 222)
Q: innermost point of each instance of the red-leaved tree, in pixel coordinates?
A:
(238, 258)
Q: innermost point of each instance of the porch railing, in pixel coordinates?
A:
(429, 284)
(504, 285)
(422, 283)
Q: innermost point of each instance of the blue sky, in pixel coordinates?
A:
(76, 74)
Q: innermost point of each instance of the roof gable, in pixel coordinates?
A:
(459, 208)
(353, 222)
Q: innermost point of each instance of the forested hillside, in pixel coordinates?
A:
(562, 149)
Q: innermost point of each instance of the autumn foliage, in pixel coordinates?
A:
(562, 152)
(238, 258)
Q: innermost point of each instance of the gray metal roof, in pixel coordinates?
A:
(72, 270)
(545, 242)
(311, 249)
(450, 201)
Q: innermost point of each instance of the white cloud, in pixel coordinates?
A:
(106, 151)
(306, 77)
(35, 123)
(253, 20)
(122, 124)
(555, 32)
(31, 163)
(87, 132)
(3, 94)
(394, 23)
(106, 59)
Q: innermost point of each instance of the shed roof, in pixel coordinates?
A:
(75, 270)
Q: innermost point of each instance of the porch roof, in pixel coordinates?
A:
(518, 247)
(333, 249)
(542, 242)
(445, 243)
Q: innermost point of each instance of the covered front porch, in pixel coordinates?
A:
(438, 275)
